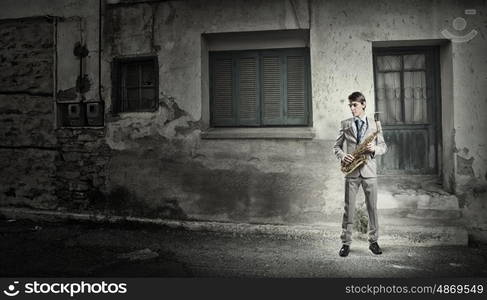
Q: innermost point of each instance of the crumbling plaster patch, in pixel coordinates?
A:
(464, 166)
(169, 121)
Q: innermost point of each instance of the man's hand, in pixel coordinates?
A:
(371, 147)
(348, 158)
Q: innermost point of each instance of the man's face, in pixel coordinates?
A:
(357, 108)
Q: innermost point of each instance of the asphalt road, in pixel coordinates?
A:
(73, 249)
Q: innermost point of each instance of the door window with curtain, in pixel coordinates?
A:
(401, 88)
(406, 97)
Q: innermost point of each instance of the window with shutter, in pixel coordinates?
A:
(260, 88)
(135, 83)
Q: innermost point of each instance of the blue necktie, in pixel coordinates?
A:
(360, 125)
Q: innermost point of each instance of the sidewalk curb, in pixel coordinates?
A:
(394, 234)
(291, 231)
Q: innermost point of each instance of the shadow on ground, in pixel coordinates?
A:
(85, 249)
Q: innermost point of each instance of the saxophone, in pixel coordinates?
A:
(360, 153)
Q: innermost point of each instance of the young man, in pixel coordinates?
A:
(352, 132)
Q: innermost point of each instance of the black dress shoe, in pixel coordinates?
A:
(344, 250)
(374, 247)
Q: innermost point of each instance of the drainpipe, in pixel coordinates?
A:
(99, 49)
(309, 14)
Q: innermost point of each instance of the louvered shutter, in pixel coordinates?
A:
(259, 88)
(247, 91)
(285, 87)
(223, 108)
(296, 100)
(272, 91)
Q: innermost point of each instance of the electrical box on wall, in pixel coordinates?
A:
(94, 113)
(80, 114)
(71, 114)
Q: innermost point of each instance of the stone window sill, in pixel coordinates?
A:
(80, 127)
(259, 133)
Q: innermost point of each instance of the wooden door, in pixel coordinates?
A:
(406, 96)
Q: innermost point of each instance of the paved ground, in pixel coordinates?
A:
(87, 249)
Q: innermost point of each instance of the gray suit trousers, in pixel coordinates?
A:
(352, 186)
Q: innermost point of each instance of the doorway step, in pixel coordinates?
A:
(418, 207)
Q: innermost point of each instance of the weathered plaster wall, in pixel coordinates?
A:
(156, 162)
(469, 69)
(229, 180)
(160, 157)
(173, 30)
(470, 94)
(341, 48)
(341, 38)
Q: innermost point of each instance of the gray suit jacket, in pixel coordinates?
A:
(347, 137)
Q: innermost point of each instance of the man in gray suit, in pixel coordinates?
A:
(352, 132)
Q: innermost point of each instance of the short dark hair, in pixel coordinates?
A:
(356, 97)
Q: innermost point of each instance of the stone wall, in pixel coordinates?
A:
(80, 169)
(28, 144)
(26, 56)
